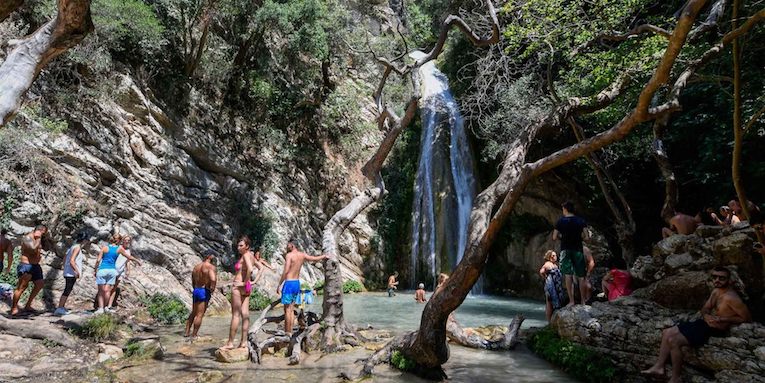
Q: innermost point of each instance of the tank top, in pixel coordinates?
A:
(68, 271)
(109, 258)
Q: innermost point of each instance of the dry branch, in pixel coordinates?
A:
(619, 37)
(30, 55)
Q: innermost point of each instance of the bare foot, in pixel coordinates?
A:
(228, 346)
(242, 345)
(570, 304)
(14, 312)
(654, 371)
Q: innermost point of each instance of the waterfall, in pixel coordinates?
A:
(445, 184)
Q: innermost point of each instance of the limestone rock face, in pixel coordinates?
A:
(629, 331)
(179, 189)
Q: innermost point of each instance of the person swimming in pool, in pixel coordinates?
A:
(289, 283)
(203, 280)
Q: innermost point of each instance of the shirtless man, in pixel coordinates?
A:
(203, 279)
(6, 249)
(29, 268)
(723, 309)
(392, 283)
(680, 224)
(289, 283)
(419, 294)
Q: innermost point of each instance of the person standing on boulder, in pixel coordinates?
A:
(203, 280)
(29, 268)
(72, 270)
(570, 230)
(6, 249)
(723, 309)
(289, 283)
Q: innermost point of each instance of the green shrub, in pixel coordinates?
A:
(398, 360)
(352, 287)
(166, 309)
(259, 301)
(98, 328)
(579, 361)
(319, 287)
(138, 351)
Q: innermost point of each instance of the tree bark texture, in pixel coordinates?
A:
(464, 337)
(660, 154)
(30, 55)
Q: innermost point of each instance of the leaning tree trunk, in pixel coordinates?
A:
(659, 151)
(427, 346)
(30, 55)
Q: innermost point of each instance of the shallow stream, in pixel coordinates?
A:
(185, 363)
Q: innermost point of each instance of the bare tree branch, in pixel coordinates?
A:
(715, 13)
(619, 37)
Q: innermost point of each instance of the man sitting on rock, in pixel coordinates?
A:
(680, 224)
(723, 309)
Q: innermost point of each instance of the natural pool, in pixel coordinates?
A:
(186, 363)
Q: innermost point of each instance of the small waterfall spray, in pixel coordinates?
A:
(445, 184)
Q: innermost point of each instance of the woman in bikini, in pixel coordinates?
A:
(240, 294)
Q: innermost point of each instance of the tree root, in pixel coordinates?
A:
(467, 338)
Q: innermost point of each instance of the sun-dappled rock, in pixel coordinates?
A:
(233, 355)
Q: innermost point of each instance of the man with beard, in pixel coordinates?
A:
(723, 309)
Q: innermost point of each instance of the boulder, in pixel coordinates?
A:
(108, 352)
(677, 261)
(686, 290)
(232, 356)
(629, 331)
(734, 249)
(671, 245)
(706, 231)
(145, 347)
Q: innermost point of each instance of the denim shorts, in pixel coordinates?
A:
(106, 277)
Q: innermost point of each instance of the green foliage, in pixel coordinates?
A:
(98, 328)
(319, 287)
(579, 361)
(166, 309)
(258, 225)
(137, 350)
(343, 120)
(398, 360)
(258, 300)
(352, 287)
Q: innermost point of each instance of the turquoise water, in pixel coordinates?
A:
(401, 313)
(186, 362)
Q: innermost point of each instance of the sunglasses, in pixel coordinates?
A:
(720, 277)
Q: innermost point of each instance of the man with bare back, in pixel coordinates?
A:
(723, 309)
(203, 280)
(680, 224)
(6, 249)
(29, 268)
(289, 283)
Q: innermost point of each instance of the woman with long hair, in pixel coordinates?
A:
(554, 295)
(240, 293)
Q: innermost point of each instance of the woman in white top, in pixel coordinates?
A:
(72, 270)
(123, 269)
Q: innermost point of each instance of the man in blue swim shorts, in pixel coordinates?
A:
(203, 279)
(289, 284)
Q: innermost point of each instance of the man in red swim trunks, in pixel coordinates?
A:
(290, 288)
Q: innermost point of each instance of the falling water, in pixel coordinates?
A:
(445, 185)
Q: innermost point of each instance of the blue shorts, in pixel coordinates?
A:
(27, 268)
(290, 291)
(106, 277)
(201, 294)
